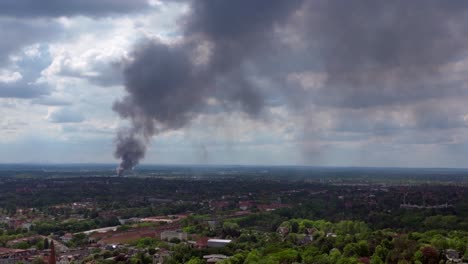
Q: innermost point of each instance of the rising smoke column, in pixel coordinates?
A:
(169, 84)
(371, 53)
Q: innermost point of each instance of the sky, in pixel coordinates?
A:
(267, 82)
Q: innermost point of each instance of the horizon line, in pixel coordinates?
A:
(227, 165)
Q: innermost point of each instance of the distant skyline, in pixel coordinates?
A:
(267, 82)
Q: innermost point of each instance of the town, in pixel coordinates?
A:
(237, 216)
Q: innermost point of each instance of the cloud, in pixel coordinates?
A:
(103, 73)
(42, 21)
(383, 52)
(9, 77)
(11, 125)
(23, 90)
(24, 78)
(57, 8)
(437, 114)
(65, 115)
(18, 34)
(329, 54)
(97, 66)
(350, 79)
(51, 101)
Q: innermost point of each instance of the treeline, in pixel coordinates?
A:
(323, 242)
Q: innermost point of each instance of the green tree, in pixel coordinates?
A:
(376, 260)
(381, 252)
(195, 260)
(363, 249)
(286, 256)
(231, 229)
(22, 245)
(236, 259)
(253, 257)
(40, 245)
(351, 249)
(335, 255)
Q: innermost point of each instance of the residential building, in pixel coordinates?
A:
(217, 243)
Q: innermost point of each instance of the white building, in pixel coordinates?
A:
(217, 243)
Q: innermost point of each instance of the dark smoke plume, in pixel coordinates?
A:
(372, 52)
(166, 84)
(131, 149)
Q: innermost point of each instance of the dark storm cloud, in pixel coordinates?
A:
(378, 52)
(372, 53)
(56, 8)
(238, 28)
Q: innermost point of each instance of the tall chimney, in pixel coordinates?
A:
(52, 259)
